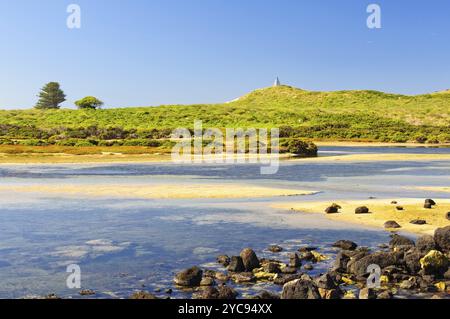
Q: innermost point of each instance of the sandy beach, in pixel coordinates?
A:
(161, 191)
(118, 158)
(381, 210)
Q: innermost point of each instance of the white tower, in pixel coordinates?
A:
(277, 82)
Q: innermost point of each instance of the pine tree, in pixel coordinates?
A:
(50, 97)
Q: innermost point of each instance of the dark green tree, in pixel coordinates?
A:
(50, 97)
(89, 102)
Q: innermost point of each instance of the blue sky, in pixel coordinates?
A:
(151, 52)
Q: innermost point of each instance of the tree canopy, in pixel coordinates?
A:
(89, 102)
(50, 96)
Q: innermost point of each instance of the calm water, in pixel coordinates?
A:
(124, 244)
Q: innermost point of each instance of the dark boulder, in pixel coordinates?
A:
(236, 264)
(398, 240)
(275, 249)
(213, 293)
(425, 244)
(447, 216)
(362, 210)
(308, 267)
(300, 289)
(266, 295)
(333, 209)
(224, 260)
(400, 208)
(294, 260)
(341, 261)
(249, 259)
(412, 261)
(430, 202)
(326, 282)
(442, 238)
(189, 278)
(391, 224)
(382, 259)
(141, 295)
(345, 245)
(272, 267)
(285, 278)
(434, 263)
(418, 222)
(227, 293)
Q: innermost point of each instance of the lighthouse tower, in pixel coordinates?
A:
(277, 82)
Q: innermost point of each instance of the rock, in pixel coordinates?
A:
(427, 206)
(447, 274)
(367, 293)
(345, 244)
(409, 284)
(447, 215)
(300, 289)
(224, 260)
(189, 278)
(289, 270)
(442, 238)
(394, 202)
(412, 261)
(266, 295)
(275, 249)
(272, 267)
(382, 259)
(430, 202)
(168, 291)
(333, 209)
(385, 295)
(434, 263)
(222, 276)
(227, 293)
(223, 292)
(236, 264)
(425, 244)
(330, 294)
(362, 210)
(398, 240)
(285, 278)
(325, 282)
(341, 261)
(207, 281)
(399, 208)
(51, 296)
(87, 292)
(243, 277)
(143, 295)
(306, 249)
(418, 222)
(391, 224)
(308, 267)
(294, 261)
(249, 259)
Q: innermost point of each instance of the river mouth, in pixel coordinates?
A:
(124, 243)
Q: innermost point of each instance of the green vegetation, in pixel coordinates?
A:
(89, 102)
(301, 148)
(343, 115)
(51, 96)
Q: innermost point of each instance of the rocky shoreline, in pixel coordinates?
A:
(409, 268)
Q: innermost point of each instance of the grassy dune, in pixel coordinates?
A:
(342, 115)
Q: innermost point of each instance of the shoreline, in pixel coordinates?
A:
(30, 159)
(381, 211)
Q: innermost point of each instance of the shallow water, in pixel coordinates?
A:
(123, 245)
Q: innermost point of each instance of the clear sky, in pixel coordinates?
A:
(151, 52)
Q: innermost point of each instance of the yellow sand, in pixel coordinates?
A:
(375, 144)
(434, 189)
(161, 191)
(377, 158)
(382, 211)
(39, 158)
